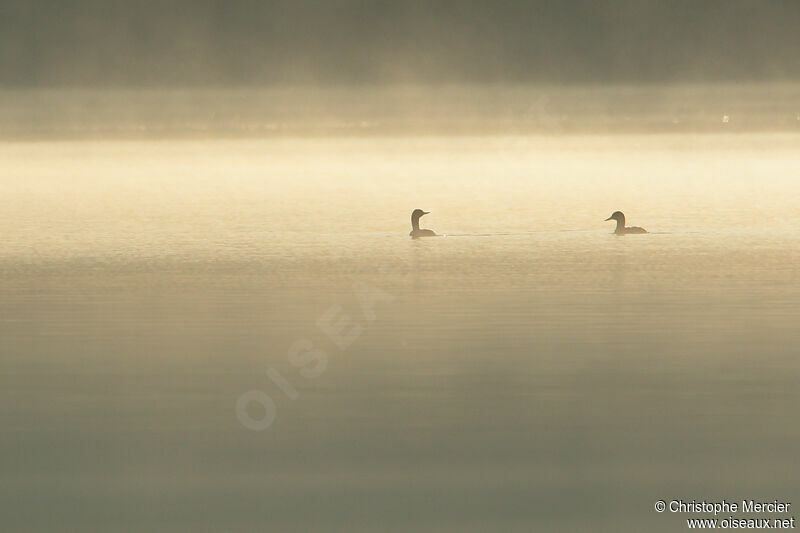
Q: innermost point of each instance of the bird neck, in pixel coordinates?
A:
(620, 225)
(415, 223)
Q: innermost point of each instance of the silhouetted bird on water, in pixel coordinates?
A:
(416, 233)
(621, 229)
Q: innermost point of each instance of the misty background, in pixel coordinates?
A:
(187, 187)
(245, 42)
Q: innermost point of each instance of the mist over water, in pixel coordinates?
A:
(193, 193)
(407, 109)
(531, 371)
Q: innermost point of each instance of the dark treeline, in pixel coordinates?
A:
(177, 42)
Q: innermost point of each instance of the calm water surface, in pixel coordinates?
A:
(532, 371)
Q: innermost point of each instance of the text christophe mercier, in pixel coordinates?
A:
(727, 510)
(747, 506)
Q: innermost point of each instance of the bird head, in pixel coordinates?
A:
(417, 213)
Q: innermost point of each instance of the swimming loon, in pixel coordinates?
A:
(621, 229)
(416, 233)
